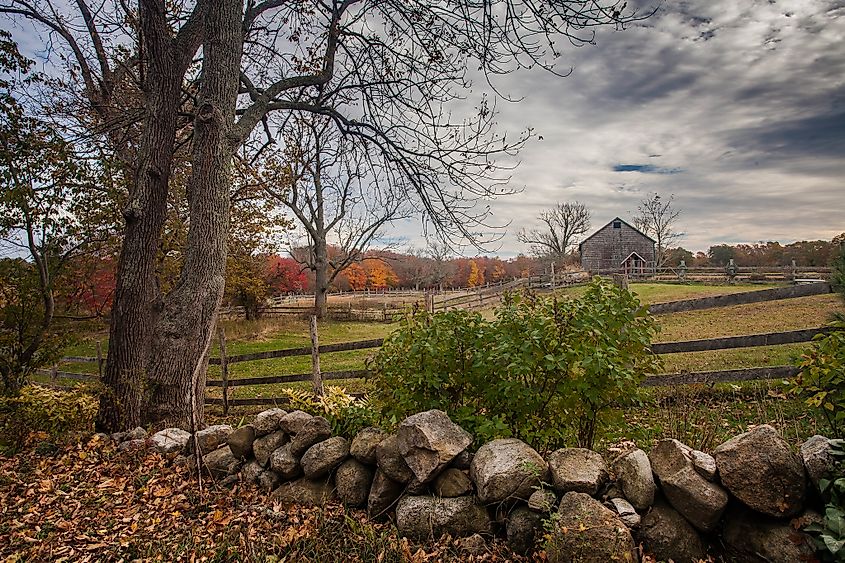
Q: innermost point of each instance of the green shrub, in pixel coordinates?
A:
(829, 535)
(52, 412)
(547, 371)
(822, 379)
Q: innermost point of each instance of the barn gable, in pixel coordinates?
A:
(610, 248)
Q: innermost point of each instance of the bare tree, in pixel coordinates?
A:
(562, 226)
(384, 72)
(657, 218)
(337, 190)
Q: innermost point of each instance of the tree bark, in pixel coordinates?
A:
(321, 278)
(136, 296)
(185, 329)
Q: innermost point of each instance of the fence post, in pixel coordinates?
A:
(100, 359)
(316, 376)
(224, 368)
(53, 375)
(793, 271)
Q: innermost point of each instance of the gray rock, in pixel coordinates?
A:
(668, 536)
(323, 457)
(463, 460)
(429, 441)
(817, 458)
(507, 469)
(305, 492)
(383, 494)
(221, 463)
(697, 499)
(524, 527)
(353, 480)
(625, 510)
(312, 432)
(391, 462)
(266, 445)
(211, 438)
(705, 464)
(171, 440)
(293, 422)
(138, 433)
(452, 483)
(751, 537)
(364, 444)
(423, 517)
(250, 472)
(241, 440)
(129, 445)
(633, 473)
(577, 469)
(268, 480)
(268, 421)
(588, 532)
(472, 545)
(542, 501)
(759, 469)
(285, 463)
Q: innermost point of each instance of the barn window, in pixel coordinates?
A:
(617, 224)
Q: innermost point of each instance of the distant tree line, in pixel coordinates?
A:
(805, 253)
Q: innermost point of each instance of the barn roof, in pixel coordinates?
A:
(611, 222)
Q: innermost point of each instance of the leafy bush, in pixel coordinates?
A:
(822, 379)
(39, 409)
(829, 535)
(345, 413)
(546, 371)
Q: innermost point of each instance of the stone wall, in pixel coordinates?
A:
(746, 502)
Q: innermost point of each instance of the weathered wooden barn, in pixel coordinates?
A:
(618, 247)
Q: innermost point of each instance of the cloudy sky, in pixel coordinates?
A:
(735, 107)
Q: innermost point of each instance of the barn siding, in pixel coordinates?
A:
(608, 247)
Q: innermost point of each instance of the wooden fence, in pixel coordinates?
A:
(710, 344)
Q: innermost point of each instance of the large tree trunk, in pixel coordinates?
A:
(185, 328)
(321, 278)
(136, 295)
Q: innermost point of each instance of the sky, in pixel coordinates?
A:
(735, 108)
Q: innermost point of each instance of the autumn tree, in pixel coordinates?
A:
(383, 72)
(561, 228)
(338, 192)
(657, 217)
(476, 276)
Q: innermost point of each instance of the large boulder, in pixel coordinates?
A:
(210, 438)
(305, 492)
(285, 463)
(577, 469)
(759, 469)
(523, 528)
(312, 432)
(429, 441)
(353, 480)
(391, 461)
(633, 473)
(364, 445)
(507, 469)
(668, 536)
(171, 440)
(697, 499)
(817, 458)
(263, 447)
(241, 441)
(323, 457)
(586, 531)
(452, 483)
(268, 421)
(221, 463)
(751, 537)
(293, 422)
(424, 517)
(383, 494)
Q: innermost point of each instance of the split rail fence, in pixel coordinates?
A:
(722, 376)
